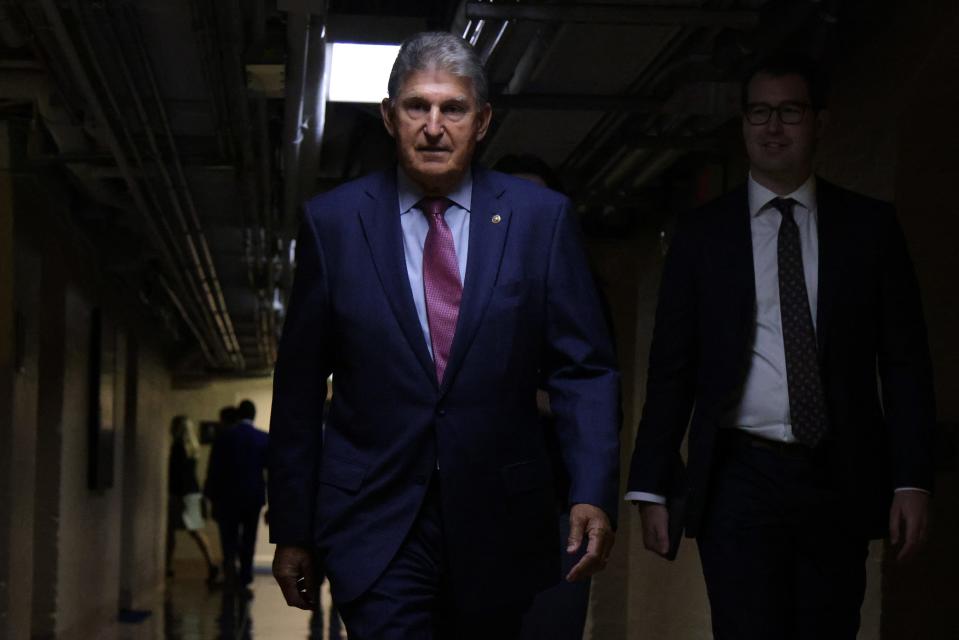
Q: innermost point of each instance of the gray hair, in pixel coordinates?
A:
(439, 50)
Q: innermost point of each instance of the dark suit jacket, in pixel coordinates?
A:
(234, 482)
(529, 316)
(869, 318)
(182, 472)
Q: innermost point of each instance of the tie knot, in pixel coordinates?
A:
(434, 207)
(785, 206)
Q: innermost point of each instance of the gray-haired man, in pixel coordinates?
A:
(440, 296)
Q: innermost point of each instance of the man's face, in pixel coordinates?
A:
(436, 123)
(778, 151)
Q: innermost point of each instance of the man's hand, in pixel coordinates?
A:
(293, 570)
(909, 522)
(585, 518)
(655, 519)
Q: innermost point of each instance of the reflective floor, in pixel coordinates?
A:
(189, 611)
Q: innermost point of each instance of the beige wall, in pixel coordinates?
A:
(144, 476)
(639, 595)
(89, 522)
(64, 545)
(892, 136)
(11, 604)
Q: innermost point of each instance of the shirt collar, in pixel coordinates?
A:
(760, 196)
(410, 194)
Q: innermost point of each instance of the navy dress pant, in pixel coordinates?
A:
(559, 612)
(778, 561)
(238, 539)
(411, 600)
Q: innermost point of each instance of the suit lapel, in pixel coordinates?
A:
(486, 243)
(828, 222)
(739, 243)
(380, 219)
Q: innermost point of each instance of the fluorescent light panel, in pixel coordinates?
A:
(360, 72)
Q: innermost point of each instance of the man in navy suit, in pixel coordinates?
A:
(790, 342)
(236, 487)
(439, 296)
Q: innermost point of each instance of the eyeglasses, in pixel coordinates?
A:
(758, 113)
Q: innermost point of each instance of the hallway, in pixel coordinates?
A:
(154, 155)
(187, 610)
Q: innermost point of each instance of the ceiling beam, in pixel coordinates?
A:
(684, 143)
(614, 14)
(577, 102)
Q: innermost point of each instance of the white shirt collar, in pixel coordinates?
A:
(760, 196)
(410, 194)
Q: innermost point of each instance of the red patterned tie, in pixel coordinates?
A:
(441, 281)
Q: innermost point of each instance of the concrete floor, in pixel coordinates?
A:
(187, 610)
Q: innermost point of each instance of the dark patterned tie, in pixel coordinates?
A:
(807, 404)
(441, 281)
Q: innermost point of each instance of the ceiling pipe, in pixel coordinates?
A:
(305, 103)
(175, 300)
(192, 225)
(297, 36)
(208, 51)
(168, 237)
(522, 74)
(588, 13)
(314, 109)
(254, 168)
(188, 227)
(268, 339)
(490, 48)
(55, 22)
(595, 149)
(722, 99)
(254, 151)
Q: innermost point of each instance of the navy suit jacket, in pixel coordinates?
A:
(234, 482)
(870, 330)
(529, 316)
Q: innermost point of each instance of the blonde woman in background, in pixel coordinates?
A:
(186, 501)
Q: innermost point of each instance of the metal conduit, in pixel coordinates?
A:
(297, 33)
(259, 188)
(214, 289)
(186, 233)
(55, 20)
(314, 108)
(163, 222)
(175, 299)
(220, 103)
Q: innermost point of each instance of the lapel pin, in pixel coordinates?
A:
(497, 218)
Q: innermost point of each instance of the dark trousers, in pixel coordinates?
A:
(238, 539)
(778, 561)
(411, 599)
(559, 613)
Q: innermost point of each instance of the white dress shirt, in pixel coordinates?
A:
(415, 226)
(763, 410)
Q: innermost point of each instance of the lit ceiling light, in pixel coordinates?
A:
(360, 72)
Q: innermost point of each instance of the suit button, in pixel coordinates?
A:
(420, 478)
(441, 411)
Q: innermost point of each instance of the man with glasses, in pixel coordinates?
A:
(780, 303)
(440, 296)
